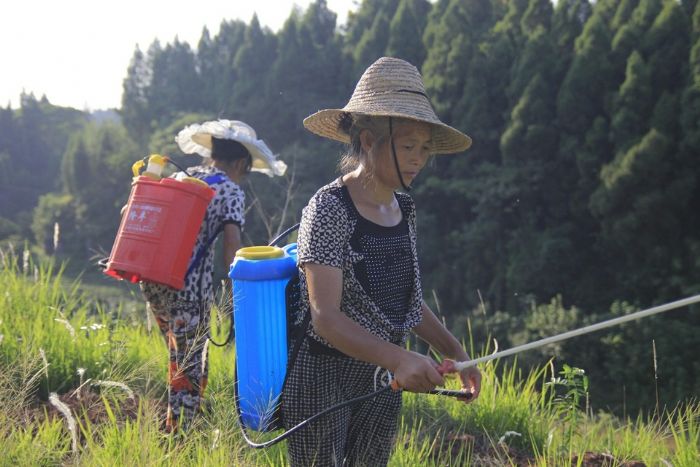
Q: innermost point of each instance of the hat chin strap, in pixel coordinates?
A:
(396, 161)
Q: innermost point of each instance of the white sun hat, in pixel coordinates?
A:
(196, 139)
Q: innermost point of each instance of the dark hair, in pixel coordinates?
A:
(228, 150)
(352, 126)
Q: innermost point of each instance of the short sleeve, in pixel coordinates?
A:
(324, 232)
(233, 206)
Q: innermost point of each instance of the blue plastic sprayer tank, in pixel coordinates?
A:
(260, 275)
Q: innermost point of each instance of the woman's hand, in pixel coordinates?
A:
(471, 383)
(417, 373)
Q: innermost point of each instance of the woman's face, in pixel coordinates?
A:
(412, 141)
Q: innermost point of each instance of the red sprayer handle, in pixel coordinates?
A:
(447, 366)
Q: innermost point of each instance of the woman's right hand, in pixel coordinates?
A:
(417, 373)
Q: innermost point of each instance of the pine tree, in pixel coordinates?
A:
(567, 23)
(666, 46)
(537, 15)
(466, 72)
(253, 64)
(134, 109)
(215, 62)
(406, 31)
(452, 36)
(632, 105)
(174, 83)
(367, 34)
(96, 175)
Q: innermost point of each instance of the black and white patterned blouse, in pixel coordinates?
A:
(226, 207)
(381, 279)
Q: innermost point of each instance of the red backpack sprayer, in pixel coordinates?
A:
(153, 243)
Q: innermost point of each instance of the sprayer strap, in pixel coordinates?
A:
(214, 179)
(301, 336)
(210, 180)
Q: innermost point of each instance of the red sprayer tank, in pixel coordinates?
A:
(158, 230)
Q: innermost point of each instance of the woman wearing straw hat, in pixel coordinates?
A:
(231, 149)
(359, 273)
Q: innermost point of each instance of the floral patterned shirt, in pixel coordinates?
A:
(326, 237)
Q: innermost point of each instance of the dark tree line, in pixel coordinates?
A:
(578, 198)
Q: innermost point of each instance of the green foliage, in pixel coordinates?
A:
(34, 444)
(96, 173)
(632, 104)
(567, 405)
(163, 139)
(516, 413)
(368, 35)
(32, 141)
(406, 31)
(582, 182)
(57, 327)
(52, 212)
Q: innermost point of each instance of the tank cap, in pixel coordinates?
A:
(260, 252)
(194, 180)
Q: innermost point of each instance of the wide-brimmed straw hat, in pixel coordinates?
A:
(196, 139)
(390, 87)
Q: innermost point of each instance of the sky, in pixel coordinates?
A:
(76, 52)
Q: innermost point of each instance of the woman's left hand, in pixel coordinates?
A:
(471, 383)
(470, 377)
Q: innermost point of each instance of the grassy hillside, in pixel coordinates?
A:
(82, 383)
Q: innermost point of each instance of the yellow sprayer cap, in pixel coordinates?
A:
(260, 252)
(157, 159)
(194, 180)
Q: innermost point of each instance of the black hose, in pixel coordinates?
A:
(179, 167)
(283, 235)
(333, 408)
(303, 423)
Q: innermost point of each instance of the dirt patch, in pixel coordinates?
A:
(486, 453)
(592, 459)
(89, 406)
(455, 446)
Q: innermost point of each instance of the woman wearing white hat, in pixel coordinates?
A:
(359, 273)
(232, 151)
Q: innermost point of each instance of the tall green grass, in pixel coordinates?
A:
(62, 330)
(56, 339)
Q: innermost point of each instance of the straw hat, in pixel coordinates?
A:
(196, 139)
(390, 87)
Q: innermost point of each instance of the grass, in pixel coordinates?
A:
(108, 368)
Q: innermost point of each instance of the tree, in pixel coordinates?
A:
(96, 171)
(134, 110)
(253, 63)
(174, 83)
(643, 205)
(217, 70)
(632, 105)
(462, 72)
(33, 140)
(367, 35)
(667, 45)
(406, 31)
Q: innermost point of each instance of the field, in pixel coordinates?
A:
(82, 383)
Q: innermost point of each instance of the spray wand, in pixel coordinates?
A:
(450, 366)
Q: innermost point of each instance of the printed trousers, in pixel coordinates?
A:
(358, 435)
(185, 327)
